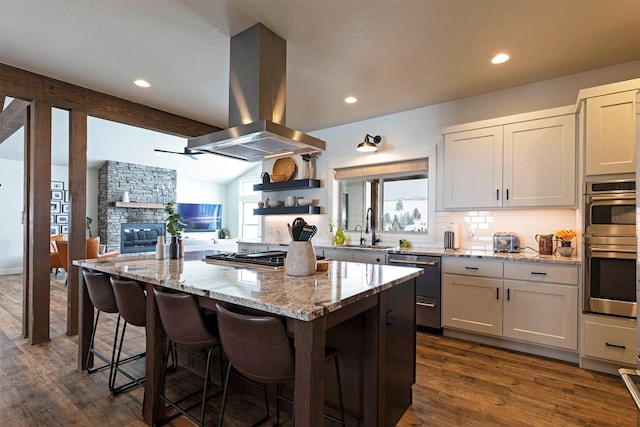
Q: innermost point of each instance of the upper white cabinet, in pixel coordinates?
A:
(523, 161)
(610, 138)
(473, 168)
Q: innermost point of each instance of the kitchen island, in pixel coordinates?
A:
(366, 311)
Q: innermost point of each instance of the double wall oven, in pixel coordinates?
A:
(610, 247)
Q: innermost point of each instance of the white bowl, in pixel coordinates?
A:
(275, 203)
(305, 202)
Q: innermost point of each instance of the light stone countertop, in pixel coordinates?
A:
(527, 255)
(266, 289)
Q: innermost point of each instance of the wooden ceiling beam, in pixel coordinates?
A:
(12, 118)
(23, 84)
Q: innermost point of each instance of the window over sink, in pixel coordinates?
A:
(400, 195)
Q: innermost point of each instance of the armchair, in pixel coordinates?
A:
(54, 259)
(93, 249)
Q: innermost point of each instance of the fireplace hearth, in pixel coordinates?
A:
(140, 237)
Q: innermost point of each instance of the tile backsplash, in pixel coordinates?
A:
(477, 227)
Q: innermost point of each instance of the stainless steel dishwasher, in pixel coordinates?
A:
(428, 310)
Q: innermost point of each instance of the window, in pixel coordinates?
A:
(405, 204)
(249, 223)
(399, 197)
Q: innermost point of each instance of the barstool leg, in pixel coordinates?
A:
(342, 420)
(224, 395)
(206, 385)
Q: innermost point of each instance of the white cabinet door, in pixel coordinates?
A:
(338, 254)
(472, 303)
(473, 168)
(541, 313)
(539, 166)
(610, 134)
(370, 257)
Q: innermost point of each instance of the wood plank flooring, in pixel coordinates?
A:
(458, 383)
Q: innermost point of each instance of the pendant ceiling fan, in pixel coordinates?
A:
(192, 154)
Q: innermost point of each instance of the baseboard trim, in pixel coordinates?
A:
(9, 271)
(538, 350)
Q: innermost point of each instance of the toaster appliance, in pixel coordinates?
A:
(506, 242)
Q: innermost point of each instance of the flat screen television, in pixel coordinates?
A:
(200, 216)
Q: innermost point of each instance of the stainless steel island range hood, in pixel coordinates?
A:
(257, 98)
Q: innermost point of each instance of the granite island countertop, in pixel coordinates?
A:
(265, 289)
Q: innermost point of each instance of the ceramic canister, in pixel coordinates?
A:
(300, 259)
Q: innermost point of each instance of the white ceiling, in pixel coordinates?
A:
(392, 55)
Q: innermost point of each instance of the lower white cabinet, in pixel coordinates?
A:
(610, 339)
(472, 303)
(370, 257)
(533, 302)
(337, 254)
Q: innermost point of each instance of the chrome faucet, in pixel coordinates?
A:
(370, 226)
(362, 239)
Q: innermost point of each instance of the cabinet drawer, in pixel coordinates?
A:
(471, 267)
(610, 342)
(541, 272)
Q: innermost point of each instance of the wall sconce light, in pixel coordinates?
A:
(370, 144)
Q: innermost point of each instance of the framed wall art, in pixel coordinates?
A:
(54, 229)
(57, 185)
(55, 207)
(57, 195)
(64, 229)
(65, 207)
(62, 219)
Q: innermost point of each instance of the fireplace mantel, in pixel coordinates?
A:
(138, 205)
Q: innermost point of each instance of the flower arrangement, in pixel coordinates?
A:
(565, 235)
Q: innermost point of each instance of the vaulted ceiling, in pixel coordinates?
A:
(392, 55)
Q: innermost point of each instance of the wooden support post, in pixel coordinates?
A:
(39, 177)
(78, 217)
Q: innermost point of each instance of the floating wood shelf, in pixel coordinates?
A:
(283, 210)
(297, 184)
(138, 205)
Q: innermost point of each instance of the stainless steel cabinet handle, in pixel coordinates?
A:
(621, 251)
(402, 261)
(426, 304)
(616, 197)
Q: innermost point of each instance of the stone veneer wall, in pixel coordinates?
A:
(144, 184)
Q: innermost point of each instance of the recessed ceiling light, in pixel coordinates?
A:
(351, 100)
(142, 83)
(500, 58)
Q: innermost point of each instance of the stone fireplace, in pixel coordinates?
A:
(149, 189)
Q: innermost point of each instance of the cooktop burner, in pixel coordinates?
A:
(268, 258)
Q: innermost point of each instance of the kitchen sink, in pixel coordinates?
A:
(381, 247)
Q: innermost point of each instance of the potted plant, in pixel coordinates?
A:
(174, 228)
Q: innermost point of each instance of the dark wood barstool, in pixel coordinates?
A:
(132, 305)
(102, 297)
(271, 359)
(187, 331)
